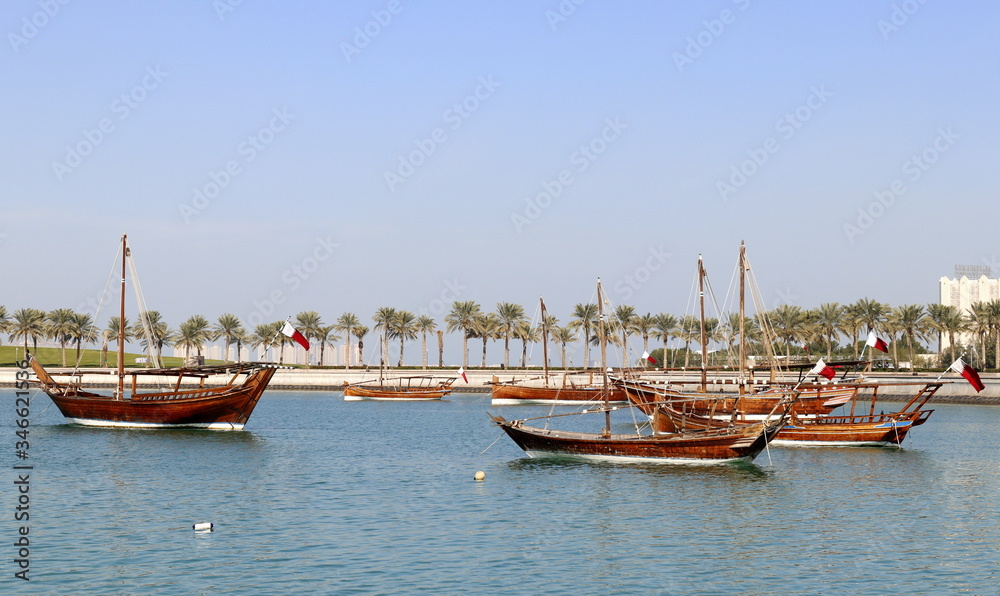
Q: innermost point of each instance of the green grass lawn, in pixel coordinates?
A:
(52, 357)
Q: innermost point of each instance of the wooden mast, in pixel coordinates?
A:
(604, 359)
(545, 343)
(704, 338)
(743, 349)
(120, 393)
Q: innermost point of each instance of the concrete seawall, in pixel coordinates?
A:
(955, 390)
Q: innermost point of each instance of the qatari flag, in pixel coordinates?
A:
(876, 342)
(649, 358)
(291, 332)
(823, 369)
(969, 373)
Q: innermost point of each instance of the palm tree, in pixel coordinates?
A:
(240, 337)
(954, 323)
(645, 324)
(158, 332)
(908, 321)
(688, 330)
(440, 336)
(666, 325)
(228, 327)
(979, 323)
(852, 319)
(562, 336)
(527, 334)
(346, 324)
(28, 323)
(384, 319)
(60, 323)
(324, 335)
(360, 332)
(509, 315)
(936, 316)
(829, 319)
(404, 327)
(623, 319)
(4, 319)
(112, 332)
(308, 323)
(994, 310)
(424, 324)
(789, 322)
(585, 320)
(462, 318)
(193, 333)
(264, 336)
(82, 330)
(873, 313)
(487, 327)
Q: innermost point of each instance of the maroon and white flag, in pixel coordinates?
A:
(649, 358)
(823, 369)
(969, 373)
(297, 337)
(461, 371)
(876, 342)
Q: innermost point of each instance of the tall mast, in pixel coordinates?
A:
(545, 343)
(704, 337)
(604, 358)
(121, 327)
(743, 352)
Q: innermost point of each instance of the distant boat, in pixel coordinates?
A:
(567, 388)
(572, 388)
(731, 444)
(411, 388)
(400, 389)
(226, 406)
(830, 430)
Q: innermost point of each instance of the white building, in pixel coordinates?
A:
(962, 293)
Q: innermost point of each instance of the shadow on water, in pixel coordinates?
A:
(734, 470)
(174, 436)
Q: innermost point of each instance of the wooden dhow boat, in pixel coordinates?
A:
(831, 430)
(227, 406)
(568, 388)
(407, 388)
(814, 399)
(414, 388)
(735, 444)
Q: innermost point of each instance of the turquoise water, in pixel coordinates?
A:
(322, 496)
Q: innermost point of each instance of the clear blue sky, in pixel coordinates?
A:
(411, 158)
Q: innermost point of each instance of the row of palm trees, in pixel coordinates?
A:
(787, 326)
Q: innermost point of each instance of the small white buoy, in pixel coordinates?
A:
(203, 527)
(480, 475)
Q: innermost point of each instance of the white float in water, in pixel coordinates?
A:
(480, 475)
(204, 526)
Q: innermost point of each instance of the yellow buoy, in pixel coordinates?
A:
(480, 475)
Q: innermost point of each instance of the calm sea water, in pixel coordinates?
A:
(322, 496)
